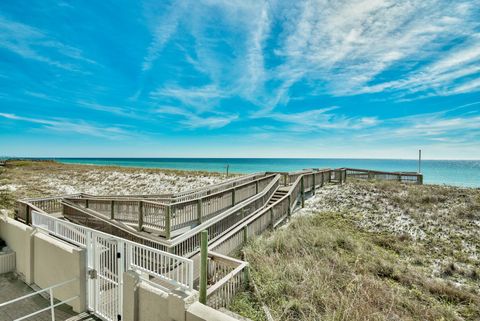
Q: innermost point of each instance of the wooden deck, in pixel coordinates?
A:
(231, 212)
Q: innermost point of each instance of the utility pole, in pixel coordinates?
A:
(419, 160)
(228, 166)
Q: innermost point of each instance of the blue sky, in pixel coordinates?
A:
(240, 78)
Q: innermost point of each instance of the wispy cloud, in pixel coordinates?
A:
(454, 125)
(348, 45)
(458, 71)
(192, 121)
(116, 110)
(164, 27)
(322, 119)
(73, 126)
(200, 98)
(32, 43)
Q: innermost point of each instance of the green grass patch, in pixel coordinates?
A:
(322, 267)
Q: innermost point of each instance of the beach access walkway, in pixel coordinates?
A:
(162, 236)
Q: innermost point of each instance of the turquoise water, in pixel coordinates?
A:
(451, 172)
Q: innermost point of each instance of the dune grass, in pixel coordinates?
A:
(322, 267)
(26, 178)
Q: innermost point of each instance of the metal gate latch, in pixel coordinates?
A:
(92, 273)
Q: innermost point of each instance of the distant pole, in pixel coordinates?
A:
(228, 166)
(419, 160)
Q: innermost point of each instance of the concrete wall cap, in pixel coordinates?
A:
(61, 244)
(198, 311)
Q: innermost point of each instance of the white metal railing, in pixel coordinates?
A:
(52, 305)
(155, 262)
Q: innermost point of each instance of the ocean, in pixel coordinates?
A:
(451, 172)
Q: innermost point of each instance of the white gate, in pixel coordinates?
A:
(109, 256)
(105, 271)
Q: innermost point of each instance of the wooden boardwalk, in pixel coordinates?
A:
(231, 212)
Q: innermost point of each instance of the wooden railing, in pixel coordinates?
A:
(166, 219)
(231, 214)
(197, 193)
(188, 243)
(273, 215)
(44, 205)
(226, 277)
(405, 177)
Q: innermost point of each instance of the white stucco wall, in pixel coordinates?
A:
(46, 261)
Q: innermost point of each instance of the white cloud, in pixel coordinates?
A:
(192, 121)
(32, 43)
(450, 74)
(346, 45)
(74, 126)
(164, 28)
(200, 98)
(322, 119)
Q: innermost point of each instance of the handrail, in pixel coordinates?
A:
(227, 182)
(210, 222)
(251, 219)
(222, 191)
(54, 229)
(165, 219)
(52, 305)
(380, 172)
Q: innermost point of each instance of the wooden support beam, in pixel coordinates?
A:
(289, 205)
(112, 210)
(167, 222)
(313, 180)
(246, 276)
(303, 191)
(271, 218)
(233, 196)
(140, 215)
(203, 267)
(199, 211)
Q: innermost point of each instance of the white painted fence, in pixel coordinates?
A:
(108, 256)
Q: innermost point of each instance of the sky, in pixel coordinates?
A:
(362, 79)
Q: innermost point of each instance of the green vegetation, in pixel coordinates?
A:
(323, 267)
(26, 178)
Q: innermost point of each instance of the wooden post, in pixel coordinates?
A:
(199, 211)
(29, 215)
(203, 267)
(420, 179)
(246, 276)
(140, 216)
(167, 222)
(313, 180)
(256, 187)
(323, 175)
(112, 210)
(233, 196)
(271, 218)
(303, 191)
(289, 206)
(245, 234)
(370, 175)
(86, 203)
